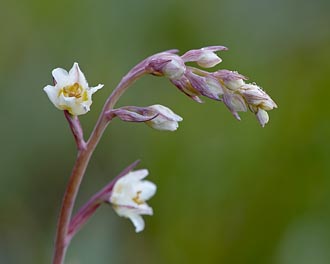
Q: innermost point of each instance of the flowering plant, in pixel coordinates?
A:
(128, 192)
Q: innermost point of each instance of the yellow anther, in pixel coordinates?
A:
(74, 90)
(137, 199)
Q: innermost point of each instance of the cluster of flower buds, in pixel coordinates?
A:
(222, 85)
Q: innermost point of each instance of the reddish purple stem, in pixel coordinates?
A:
(76, 130)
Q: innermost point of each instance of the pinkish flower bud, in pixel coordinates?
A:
(204, 57)
(166, 64)
(133, 114)
(185, 86)
(156, 116)
(174, 69)
(235, 103)
(232, 80)
(254, 95)
(206, 85)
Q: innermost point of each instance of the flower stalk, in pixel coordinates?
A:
(128, 192)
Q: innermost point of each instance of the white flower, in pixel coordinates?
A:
(71, 91)
(166, 119)
(129, 195)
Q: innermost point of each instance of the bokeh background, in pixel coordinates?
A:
(228, 191)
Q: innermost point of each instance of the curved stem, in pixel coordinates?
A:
(84, 154)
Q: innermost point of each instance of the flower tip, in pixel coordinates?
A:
(237, 117)
(215, 48)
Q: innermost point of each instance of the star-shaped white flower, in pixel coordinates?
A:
(71, 91)
(129, 197)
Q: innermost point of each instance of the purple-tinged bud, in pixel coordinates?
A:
(185, 86)
(133, 114)
(174, 69)
(204, 57)
(235, 103)
(156, 116)
(207, 86)
(254, 95)
(262, 117)
(169, 65)
(232, 80)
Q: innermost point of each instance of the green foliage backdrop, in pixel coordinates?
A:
(228, 191)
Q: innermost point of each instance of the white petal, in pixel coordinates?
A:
(77, 76)
(163, 125)
(135, 217)
(94, 89)
(72, 105)
(137, 221)
(166, 112)
(61, 77)
(147, 188)
(137, 175)
(52, 93)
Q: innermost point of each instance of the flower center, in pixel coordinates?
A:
(74, 90)
(137, 198)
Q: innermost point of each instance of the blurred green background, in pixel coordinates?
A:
(228, 191)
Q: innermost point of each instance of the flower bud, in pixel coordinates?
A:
(184, 85)
(235, 103)
(156, 116)
(254, 95)
(174, 69)
(204, 57)
(205, 85)
(166, 64)
(232, 80)
(262, 117)
(165, 120)
(132, 114)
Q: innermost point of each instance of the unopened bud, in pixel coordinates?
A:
(206, 85)
(132, 114)
(169, 65)
(184, 85)
(204, 57)
(254, 95)
(156, 116)
(235, 103)
(262, 117)
(174, 69)
(231, 79)
(165, 119)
